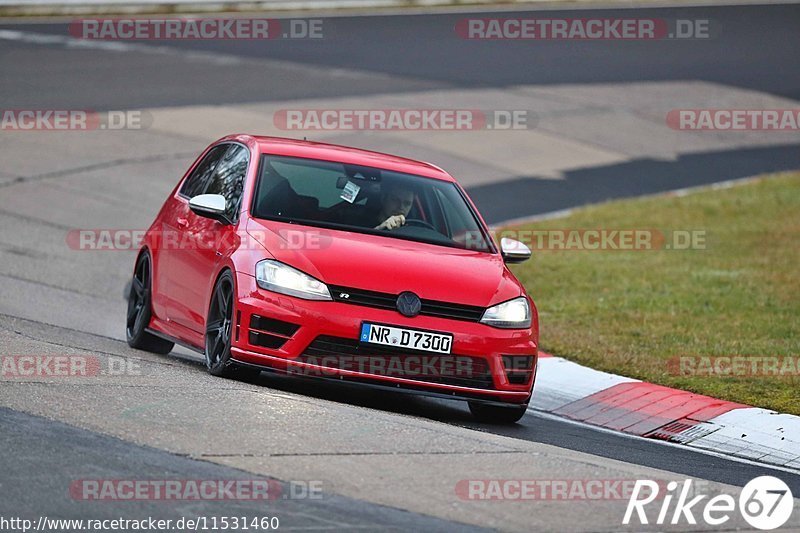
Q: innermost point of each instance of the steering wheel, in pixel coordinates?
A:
(419, 223)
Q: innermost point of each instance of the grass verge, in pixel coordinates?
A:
(635, 313)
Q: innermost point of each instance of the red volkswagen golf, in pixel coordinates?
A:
(337, 263)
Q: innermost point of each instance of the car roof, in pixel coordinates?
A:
(343, 154)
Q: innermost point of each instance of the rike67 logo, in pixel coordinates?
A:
(765, 503)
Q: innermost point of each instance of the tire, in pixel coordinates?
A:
(494, 414)
(218, 333)
(140, 310)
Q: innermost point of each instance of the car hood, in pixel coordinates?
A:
(389, 265)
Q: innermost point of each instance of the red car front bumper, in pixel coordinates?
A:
(320, 339)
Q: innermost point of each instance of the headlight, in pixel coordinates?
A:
(513, 314)
(274, 276)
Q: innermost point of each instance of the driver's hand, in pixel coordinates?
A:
(392, 222)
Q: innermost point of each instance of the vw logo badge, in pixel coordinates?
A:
(408, 304)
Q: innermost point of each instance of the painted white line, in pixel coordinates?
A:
(710, 453)
(215, 58)
(563, 213)
(115, 46)
(684, 191)
(441, 7)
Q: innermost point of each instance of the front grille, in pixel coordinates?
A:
(380, 300)
(448, 310)
(383, 300)
(349, 354)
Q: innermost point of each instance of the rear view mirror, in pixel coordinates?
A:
(514, 251)
(210, 206)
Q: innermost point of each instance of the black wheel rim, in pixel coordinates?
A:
(218, 327)
(138, 299)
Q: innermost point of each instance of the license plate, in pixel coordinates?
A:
(406, 338)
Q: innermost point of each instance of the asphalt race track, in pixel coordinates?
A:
(383, 461)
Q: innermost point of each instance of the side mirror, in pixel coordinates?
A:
(210, 206)
(514, 251)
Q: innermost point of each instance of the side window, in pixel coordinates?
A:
(228, 178)
(197, 182)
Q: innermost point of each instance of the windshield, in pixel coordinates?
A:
(366, 200)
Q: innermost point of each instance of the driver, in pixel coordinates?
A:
(396, 202)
